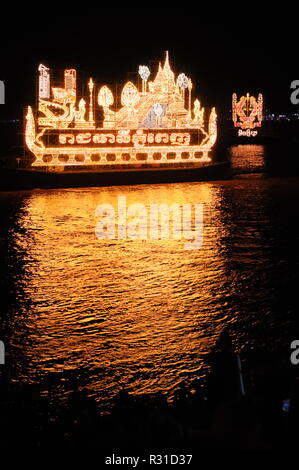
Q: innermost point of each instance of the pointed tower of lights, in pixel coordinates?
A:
(168, 74)
(90, 86)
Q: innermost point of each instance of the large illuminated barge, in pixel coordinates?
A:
(157, 126)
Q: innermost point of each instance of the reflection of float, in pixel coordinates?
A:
(247, 113)
(155, 126)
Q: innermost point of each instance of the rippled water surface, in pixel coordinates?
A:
(143, 314)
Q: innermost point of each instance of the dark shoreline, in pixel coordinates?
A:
(200, 418)
(23, 178)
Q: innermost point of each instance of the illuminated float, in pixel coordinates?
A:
(247, 114)
(155, 125)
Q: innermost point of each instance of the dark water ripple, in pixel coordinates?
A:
(107, 314)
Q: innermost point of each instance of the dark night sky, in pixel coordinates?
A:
(222, 53)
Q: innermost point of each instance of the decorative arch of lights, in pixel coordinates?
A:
(247, 114)
(156, 124)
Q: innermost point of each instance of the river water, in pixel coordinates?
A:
(107, 314)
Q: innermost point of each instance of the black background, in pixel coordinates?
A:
(233, 49)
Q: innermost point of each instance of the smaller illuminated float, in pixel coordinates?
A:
(155, 125)
(247, 114)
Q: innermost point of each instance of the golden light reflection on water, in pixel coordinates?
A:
(248, 157)
(132, 312)
(138, 314)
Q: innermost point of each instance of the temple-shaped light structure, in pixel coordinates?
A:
(153, 126)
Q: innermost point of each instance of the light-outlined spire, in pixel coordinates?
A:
(166, 63)
(160, 74)
(168, 73)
